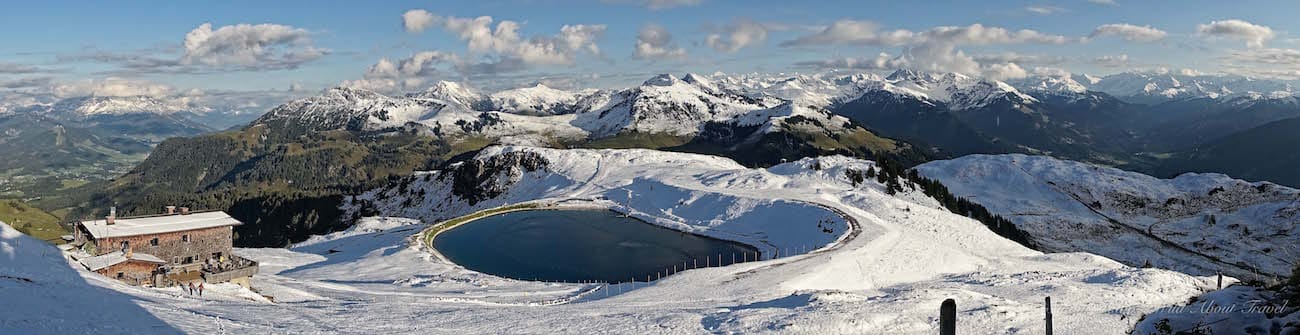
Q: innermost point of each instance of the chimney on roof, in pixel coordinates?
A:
(185, 211)
(112, 215)
(169, 210)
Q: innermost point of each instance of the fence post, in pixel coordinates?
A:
(948, 317)
(1048, 301)
(1220, 280)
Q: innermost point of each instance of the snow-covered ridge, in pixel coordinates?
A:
(906, 256)
(1195, 223)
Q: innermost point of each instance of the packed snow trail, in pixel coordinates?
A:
(908, 256)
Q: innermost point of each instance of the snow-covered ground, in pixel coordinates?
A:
(1195, 223)
(889, 275)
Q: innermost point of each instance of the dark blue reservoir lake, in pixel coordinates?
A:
(580, 245)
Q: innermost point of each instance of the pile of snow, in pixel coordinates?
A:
(44, 294)
(1195, 223)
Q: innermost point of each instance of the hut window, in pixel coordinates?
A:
(125, 244)
(153, 242)
(185, 238)
(121, 275)
(189, 260)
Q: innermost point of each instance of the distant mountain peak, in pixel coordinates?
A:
(662, 79)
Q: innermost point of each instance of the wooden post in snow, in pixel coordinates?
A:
(948, 317)
(1220, 280)
(1048, 302)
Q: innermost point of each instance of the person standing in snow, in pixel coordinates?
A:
(200, 289)
(191, 288)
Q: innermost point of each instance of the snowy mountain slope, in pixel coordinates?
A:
(666, 104)
(1195, 223)
(886, 275)
(46, 295)
(349, 109)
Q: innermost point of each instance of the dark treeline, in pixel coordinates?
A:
(897, 177)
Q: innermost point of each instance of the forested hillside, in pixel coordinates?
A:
(282, 189)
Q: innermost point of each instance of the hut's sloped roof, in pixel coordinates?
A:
(158, 224)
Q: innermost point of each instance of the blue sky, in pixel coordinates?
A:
(318, 44)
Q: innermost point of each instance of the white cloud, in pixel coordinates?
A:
(657, 4)
(1254, 35)
(1044, 9)
(1012, 57)
(655, 42)
(1129, 32)
(1111, 61)
(883, 61)
(868, 33)
(737, 35)
(1264, 62)
(417, 20)
(1104, 2)
(266, 45)
(1055, 72)
(504, 40)
(409, 73)
(1004, 71)
(110, 87)
(934, 49)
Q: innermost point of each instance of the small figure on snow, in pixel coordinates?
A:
(200, 289)
(191, 288)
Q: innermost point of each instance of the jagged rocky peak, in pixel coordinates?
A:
(700, 81)
(662, 79)
(453, 93)
(485, 178)
(903, 74)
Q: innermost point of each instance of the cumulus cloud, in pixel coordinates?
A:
(1129, 32)
(111, 86)
(263, 46)
(240, 47)
(655, 42)
(883, 61)
(657, 4)
(1004, 71)
(504, 40)
(408, 73)
(1111, 61)
(1044, 9)
(737, 35)
(934, 49)
(417, 20)
(1254, 35)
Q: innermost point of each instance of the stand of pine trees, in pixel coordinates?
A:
(891, 172)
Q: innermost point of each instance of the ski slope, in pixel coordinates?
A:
(887, 274)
